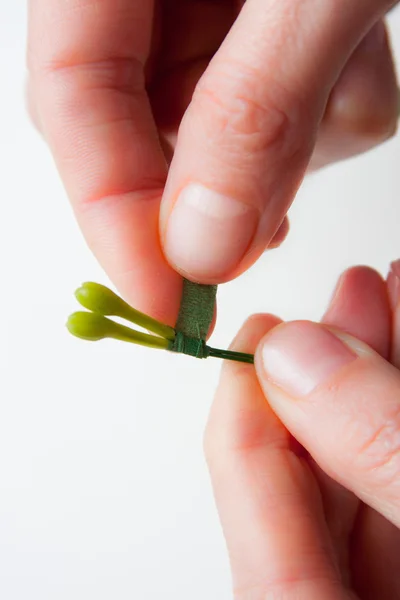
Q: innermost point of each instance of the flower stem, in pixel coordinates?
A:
(230, 355)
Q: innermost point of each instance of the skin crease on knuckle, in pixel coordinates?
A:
(373, 444)
(380, 452)
(237, 110)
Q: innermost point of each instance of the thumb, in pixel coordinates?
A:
(246, 139)
(341, 400)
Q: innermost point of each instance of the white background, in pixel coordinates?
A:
(103, 488)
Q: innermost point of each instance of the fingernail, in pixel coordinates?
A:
(208, 233)
(300, 356)
(393, 283)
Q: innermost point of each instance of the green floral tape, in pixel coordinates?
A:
(196, 314)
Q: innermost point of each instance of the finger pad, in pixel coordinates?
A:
(360, 307)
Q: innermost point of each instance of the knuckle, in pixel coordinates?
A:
(239, 113)
(115, 73)
(72, 89)
(379, 453)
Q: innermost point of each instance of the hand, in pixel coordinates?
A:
(110, 81)
(316, 515)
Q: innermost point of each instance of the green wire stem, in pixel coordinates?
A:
(230, 355)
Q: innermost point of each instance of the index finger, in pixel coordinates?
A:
(269, 506)
(86, 62)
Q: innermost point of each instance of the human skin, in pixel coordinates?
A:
(140, 102)
(139, 105)
(304, 450)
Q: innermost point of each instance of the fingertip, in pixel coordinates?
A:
(253, 330)
(239, 412)
(326, 385)
(363, 108)
(207, 233)
(366, 99)
(360, 307)
(300, 356)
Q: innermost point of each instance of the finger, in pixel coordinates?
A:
(340, 399)
(375, 557)
(360, 307)
(268, 502)
(394, 294)
(363, 107)
(86, 64)
(248, 134)
(30, 103)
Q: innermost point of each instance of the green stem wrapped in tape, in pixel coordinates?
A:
(194, 321)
